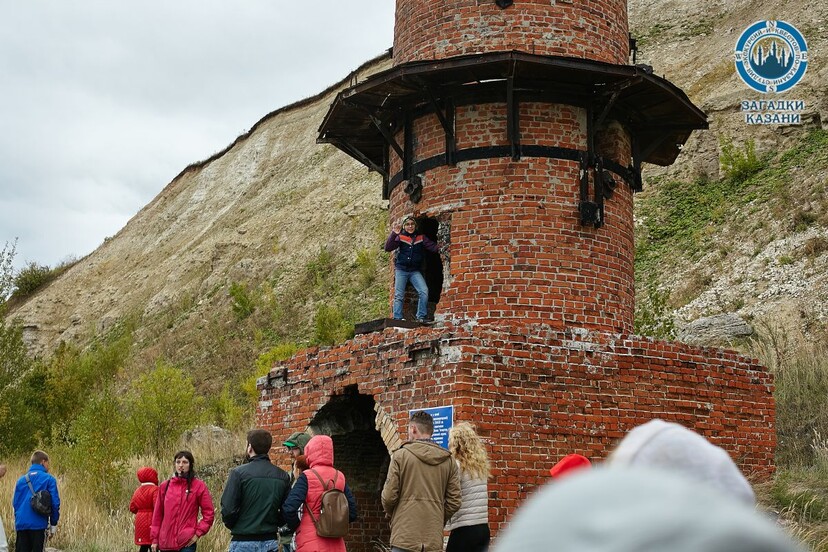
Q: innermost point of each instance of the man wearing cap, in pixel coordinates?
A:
(408, 260)
(422, 490)
(295, 445)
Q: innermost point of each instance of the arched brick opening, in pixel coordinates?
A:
(360, 452)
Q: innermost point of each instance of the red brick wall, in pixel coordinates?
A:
(586, 29)
(535, 393)
(518, 250)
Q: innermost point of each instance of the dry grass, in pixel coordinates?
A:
(798, 495)
(87, 527)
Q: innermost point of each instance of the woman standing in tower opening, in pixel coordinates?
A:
(470, 525)
(408, 260)
(175, 524)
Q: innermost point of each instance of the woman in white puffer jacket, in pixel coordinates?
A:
(470, 525)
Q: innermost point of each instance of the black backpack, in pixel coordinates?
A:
(41, 501)
(334, 513)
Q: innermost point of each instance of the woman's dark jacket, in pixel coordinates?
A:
(410, 249)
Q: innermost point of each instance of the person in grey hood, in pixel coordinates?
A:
(422, 490)
(673, 447)
(619, 509)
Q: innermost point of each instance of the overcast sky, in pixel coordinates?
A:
(103, 102)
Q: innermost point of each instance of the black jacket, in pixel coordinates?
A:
(251, 504)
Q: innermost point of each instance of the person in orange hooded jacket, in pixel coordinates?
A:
(142, 505)
(308, 491)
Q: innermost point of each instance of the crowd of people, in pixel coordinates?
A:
(664, 487)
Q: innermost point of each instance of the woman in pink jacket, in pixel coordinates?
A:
(175, 523)
(307, 493)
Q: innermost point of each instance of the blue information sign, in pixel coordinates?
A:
(443, 420)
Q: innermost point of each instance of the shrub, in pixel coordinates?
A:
(816, 246)
(24, 415)
(653, 315)
(14, 357)
(31, 278)
(320, 268)
(162, 404)
(263, 364)
(739, 164)
(331, 326)
(225, 410)
(243, 305)
(100, 448)
(366, 262)
(75, 376)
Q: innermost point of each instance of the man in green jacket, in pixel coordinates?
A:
(251, 505)
(422, 490)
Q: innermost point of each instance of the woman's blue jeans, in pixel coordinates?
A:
(401, 280)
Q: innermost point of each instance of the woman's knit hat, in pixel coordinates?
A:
(411, 218)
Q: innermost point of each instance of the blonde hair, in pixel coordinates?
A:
(467, 448)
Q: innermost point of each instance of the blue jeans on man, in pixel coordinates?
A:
(401, 280)
(254, 546)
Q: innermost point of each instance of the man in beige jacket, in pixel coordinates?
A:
(422, 490)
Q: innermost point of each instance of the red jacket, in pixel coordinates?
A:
(143, 503)
(319, 453)
(175, 519)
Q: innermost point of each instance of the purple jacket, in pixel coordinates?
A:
(409, 248)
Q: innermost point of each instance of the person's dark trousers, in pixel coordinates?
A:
(30, 540)
(144, 548)
(471, 538)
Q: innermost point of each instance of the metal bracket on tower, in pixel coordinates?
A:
(387, 135)
(591, 210)
(447, 122)
(512, 119)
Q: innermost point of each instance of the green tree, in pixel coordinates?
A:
(14, 357)
(162, 404)
(225, 410)
(24, 415)
(75, 376)
(6, 272)
(100, 448)
(22, 379)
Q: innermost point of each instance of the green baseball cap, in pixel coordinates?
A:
(298, 440)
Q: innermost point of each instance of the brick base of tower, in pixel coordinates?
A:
(535, 395)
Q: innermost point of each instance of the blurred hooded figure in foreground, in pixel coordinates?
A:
(635, 510)
(673, 447)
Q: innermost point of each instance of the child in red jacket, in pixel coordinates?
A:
(142, 504)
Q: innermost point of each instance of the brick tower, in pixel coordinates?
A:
(515, 133)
